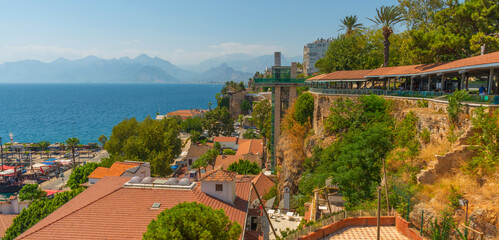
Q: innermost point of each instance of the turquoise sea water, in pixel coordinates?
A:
(56, 112)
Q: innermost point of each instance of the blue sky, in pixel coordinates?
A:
(184, 32)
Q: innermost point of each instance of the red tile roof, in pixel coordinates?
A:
(219, 175)
(107, 210)
(399, 70)
(225, 139)
(253, 146)
(116, 170)
(224, 161)
(342, 75)
(184, 114)
(262, 184)
(489, 58)
(6, 221)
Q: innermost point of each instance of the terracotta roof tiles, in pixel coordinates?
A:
(107, 210)
(219, 175)
(225, 139)
(342, 75)
(117, 169)
(253, 146)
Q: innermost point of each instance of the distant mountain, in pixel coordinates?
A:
(86, 70)
(242, 62)
(142, 69)
(223, 72)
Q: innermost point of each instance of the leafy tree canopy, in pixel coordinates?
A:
(262, 116)
(304, 108)
(151, 141)
(192, 124)
(102, 139)
(218, 122)
(80, 175)
(192, 221)
(38, 210)
(31, 192)
(251, 134)
(244, 167)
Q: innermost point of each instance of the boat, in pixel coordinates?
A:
(10, 179)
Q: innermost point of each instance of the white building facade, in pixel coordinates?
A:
(312, 52)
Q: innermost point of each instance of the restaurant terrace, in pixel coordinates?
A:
(422, 80)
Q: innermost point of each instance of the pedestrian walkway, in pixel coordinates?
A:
(366, 233)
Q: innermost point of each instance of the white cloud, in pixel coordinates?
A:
(250, 49)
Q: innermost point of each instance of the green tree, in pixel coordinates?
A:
(192, 221)
(304, 108)
(217, 146)
(38, 210)
(80, 175)
(251, 134)
(210, 156)
(244, 167)
(218, 122)
(31, 192)
(192, 124)
(195, 136)
(454, 108)
(102, 139)
(261, 115)
(151, 141)
(200, 163)
(229, 152)
(350, 24)
(43, 145)
(485, 142)
(73, 143)
(387, 17)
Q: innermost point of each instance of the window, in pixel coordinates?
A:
(219, 187)
(190, 161)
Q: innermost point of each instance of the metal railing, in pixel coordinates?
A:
(336, 217)
(280, 80)
(422, 94)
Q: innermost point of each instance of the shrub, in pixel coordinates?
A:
(422, 103)
(229, 152)
(244, 167)
(304, 108)
(425, 136)
(455, 107)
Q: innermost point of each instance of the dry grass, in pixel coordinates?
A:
(479, 197)
(428, 152)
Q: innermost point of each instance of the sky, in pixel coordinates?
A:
(184, 32)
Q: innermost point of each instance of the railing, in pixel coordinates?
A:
(336, 217)
(280, 80)
(422, 94)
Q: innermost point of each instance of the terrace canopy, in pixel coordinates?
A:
(442, 77)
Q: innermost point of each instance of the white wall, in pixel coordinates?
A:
(13, 207)
(228, 194)
(231, 145)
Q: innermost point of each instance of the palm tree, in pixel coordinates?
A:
(73, 143)
(350, 25)
(388, 16)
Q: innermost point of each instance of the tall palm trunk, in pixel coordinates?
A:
(74, 161)
(386, 45)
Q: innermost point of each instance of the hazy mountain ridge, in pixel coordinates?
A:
(141, 69)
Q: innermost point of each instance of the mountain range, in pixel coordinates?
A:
(141, 69)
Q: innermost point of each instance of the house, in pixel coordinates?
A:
(183, 114)
(250, 146)
(248, 149)
(227, 142)
(195, 151)
(224, 161)
(123, 207)
(124, 169)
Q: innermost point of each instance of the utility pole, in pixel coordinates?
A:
(264, 211)
(379, 213)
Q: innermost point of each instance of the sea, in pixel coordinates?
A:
(56, 112)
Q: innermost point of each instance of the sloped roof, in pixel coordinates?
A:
(6, 220)
(219, 175)
(253, 146)
(490, 58)
(399, 70)
(224, 161)
(116, 170)
(342, 75)
(107, 210)
(262, 184)
(225, 139)
(197, 150)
